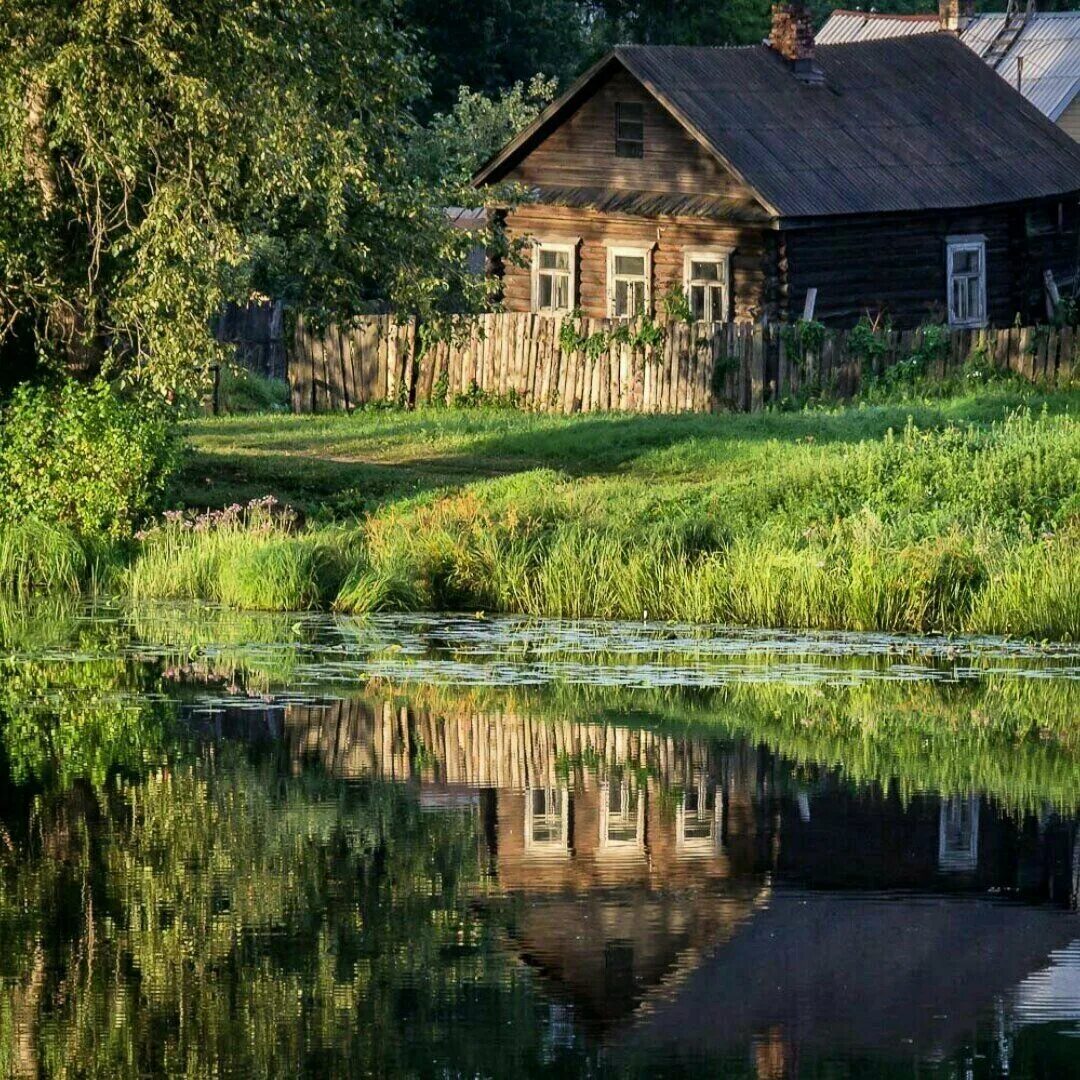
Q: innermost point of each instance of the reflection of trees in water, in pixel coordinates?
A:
(223, 913)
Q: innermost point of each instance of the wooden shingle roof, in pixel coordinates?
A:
(904, 124)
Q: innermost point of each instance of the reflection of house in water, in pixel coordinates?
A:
(690, 891)
(623, 854)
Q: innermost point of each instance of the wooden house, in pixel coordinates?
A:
(899, 176)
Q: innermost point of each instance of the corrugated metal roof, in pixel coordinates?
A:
(903, 124)
(846, 26)
(1049, 45)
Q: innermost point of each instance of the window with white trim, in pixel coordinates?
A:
(553, 277)
(706, 277)
(967, 280)
(629, 275)
(622, 815)
(547, 819)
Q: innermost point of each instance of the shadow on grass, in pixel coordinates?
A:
(339, 466)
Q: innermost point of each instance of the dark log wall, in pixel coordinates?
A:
(897, 264)
(1049, 236)
(581, 151)
(752, 259)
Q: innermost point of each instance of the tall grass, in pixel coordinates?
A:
(958, 528)
(245, 557)
(36, 556)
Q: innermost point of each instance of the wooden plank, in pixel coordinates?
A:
(579, 371)
(319, 396)
(1066, 365)
(299, 369)
(757, 369)
(345, 367)
(379, 388)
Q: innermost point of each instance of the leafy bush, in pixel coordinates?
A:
(83, 457)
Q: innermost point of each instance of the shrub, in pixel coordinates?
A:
(83, 457)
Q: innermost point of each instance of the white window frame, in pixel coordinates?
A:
(633, 252)
(954, 246)
(624, 818)
(567, 247)
(721, 256)
(696, 844)
(557, 813)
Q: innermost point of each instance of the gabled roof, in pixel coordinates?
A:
(901, 124)
(1049, 44)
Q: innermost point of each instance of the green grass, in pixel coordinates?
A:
(954, 515)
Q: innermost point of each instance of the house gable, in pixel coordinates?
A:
(580, 151)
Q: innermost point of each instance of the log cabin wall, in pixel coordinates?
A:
(1047, 235)
(895, 264)
(753, 267)
(581, 151)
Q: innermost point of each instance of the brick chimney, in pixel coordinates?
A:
(792, 36)
(955, 15)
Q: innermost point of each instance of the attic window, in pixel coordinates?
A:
(629, 129)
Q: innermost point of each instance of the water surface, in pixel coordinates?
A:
(299, 845)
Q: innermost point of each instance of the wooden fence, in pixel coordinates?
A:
(699, 368)
(257, 332)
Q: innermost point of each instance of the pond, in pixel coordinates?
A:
(258, 845)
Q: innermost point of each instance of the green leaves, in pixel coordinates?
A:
(83, 458)
(158, 159)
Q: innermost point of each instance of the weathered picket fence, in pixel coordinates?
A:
(700, 368)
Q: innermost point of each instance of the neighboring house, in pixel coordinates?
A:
(899, 175)
(1037, 52)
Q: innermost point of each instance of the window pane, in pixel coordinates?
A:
(554, 260)
(965, 262)
(562, 290)
(622, 298)
(972, 298)
(716, 304)
(630, 265)
(545, 291)
(629, 129)
(959, 300)
(705, 271)
(697, 302)
(637, 297)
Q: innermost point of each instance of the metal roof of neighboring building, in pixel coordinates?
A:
(846, 26)
(902, 124)
(1049, 44)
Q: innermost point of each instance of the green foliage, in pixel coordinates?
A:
(245, 556)
(244, 391)
(83, 458)
(158, 160)
(868, 344)
(676, 305)
(456, 143)
(38, 555)
(802, 339)
(640, 333)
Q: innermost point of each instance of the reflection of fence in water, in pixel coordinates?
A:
(363, 737)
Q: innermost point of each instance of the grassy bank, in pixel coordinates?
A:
(960, 515)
